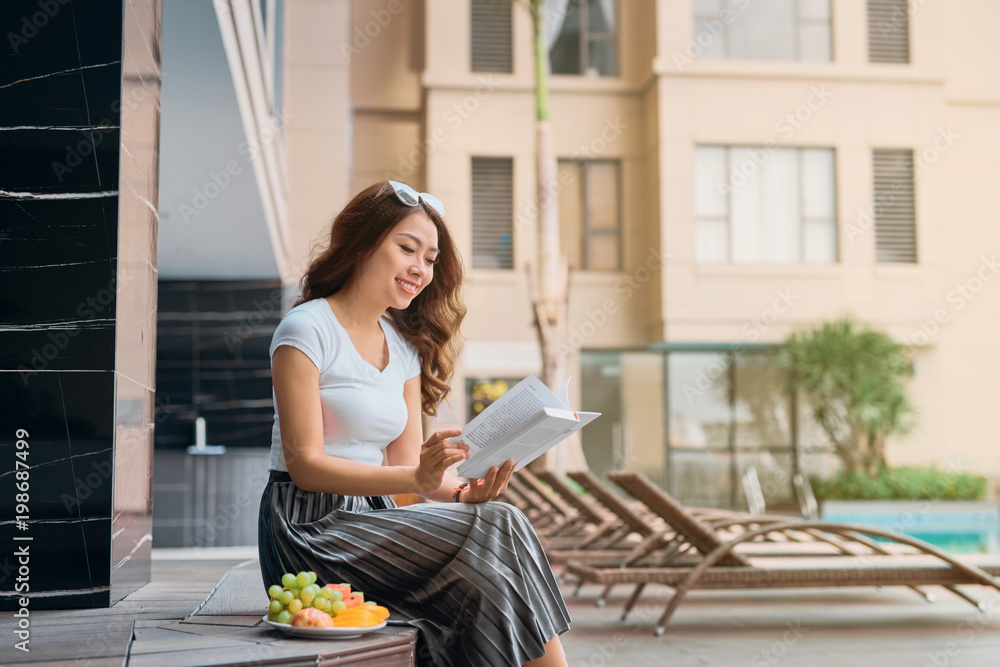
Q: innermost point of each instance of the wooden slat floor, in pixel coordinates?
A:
(157, 625)
(192, 613)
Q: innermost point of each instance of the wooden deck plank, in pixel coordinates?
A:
(86, 662)
(157, 640)
(257, 654)
(243, 620)
(109, 644)
(240, 592)
(197, 628)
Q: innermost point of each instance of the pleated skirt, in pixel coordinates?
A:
(471, 578)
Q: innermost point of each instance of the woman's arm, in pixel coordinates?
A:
(296, 389)
(405, 451)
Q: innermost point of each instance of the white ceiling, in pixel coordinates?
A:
(221, 234)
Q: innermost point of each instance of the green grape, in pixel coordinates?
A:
(274, 591)
(335, 596)
(295, 590)
(275, 607)
(284, 617)
(325, 592)
(271, 616)
(286, 597)
(288, 580)
(337, 607)
(295, 606)
(302, 580)
(322, 604)
(307, 596)
(312, 576)
(314, 588)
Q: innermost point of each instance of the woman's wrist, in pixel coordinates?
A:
(457, 497)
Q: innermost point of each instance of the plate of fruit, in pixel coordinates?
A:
(299, 607)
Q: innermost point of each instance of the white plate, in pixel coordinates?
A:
(322, 633)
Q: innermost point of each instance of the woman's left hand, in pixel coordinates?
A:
(486, 489)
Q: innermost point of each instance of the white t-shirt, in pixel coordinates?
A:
(363, 408)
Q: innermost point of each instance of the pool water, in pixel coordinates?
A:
(957, 527)
(977, 542)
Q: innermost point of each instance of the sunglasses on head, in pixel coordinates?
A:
(411, 197)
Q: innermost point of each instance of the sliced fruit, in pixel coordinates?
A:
(382, 612)
(358, 617)
(343, 589)
(354, 599)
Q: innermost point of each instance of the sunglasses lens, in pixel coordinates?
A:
(406, 194)
(435, 203)
(411, 197)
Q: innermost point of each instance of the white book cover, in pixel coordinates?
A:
(523, 424)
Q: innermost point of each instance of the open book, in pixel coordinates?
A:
(523, 424)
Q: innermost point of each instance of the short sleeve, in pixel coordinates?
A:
(300, 329)
(414, 358)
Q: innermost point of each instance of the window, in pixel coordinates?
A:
(895, 219)
(583, 37)
(763, 29)
(888, 31)
(492, 212)
(728, 410)
(491, 36)
(757, 205)
(590, 214)
(482, 392)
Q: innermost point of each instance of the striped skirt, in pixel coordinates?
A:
(471, 578)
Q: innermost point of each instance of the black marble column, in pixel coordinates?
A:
(79, 144)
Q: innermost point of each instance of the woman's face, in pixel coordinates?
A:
(407, 256)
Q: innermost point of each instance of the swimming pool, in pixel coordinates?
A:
(960, 527)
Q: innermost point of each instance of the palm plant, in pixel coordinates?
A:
(852, 376)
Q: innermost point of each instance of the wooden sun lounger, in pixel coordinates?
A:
(723, 566)
(662, 544)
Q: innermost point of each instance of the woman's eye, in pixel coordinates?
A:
(410, 251)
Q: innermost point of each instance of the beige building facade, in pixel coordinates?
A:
(730, 172)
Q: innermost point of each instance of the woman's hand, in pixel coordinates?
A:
(486, 489)
(436, 456)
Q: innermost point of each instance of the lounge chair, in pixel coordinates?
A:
(566, 520)
(656, 532)
(662, 544)
(602, 523)
(723, 566)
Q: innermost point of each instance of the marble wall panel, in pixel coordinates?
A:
(79, 138)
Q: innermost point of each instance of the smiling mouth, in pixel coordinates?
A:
(409, 288)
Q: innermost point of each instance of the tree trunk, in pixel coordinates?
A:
(550, 295)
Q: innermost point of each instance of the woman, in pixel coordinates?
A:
(365, 350)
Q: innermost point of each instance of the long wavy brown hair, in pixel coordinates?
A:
(432, 319)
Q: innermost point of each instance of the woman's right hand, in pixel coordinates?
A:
(436, 456)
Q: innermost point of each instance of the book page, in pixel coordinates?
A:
(519, 404)
(528, 443)
(510, 415)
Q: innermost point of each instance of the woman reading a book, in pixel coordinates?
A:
(364, 352)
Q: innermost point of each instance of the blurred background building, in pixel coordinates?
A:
(730, 171)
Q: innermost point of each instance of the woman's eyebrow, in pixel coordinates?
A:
(416, 240)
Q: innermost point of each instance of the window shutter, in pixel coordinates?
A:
(895, 219)
(888, 31)
(492, 212)
(491, 47)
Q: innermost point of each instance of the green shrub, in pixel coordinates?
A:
(904, 483)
